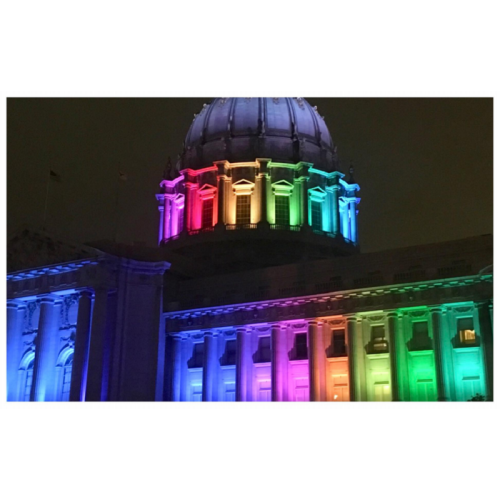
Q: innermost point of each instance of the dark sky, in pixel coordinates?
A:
(425, 166)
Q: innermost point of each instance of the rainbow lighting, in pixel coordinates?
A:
(203, 192)
(246, 195)
(257, 290)
(407, 354)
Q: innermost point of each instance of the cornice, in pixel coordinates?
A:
(322, 306)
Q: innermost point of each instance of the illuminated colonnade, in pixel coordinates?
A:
(408, 354)
(44, 361)
(252, 194)
(96, 342)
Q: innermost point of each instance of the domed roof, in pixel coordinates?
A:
(242, 129)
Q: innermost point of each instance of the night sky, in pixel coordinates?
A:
(425, 166)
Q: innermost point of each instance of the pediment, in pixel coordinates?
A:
(317, 190)
(283, 183)
(244, 182)
(29, 248)
(206, 188)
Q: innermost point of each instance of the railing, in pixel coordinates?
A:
(284, 227)
(235, 227)
(202, 230)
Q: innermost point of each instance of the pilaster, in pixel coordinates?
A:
(356, 359)
(210, 379)
(436, 320)
(486, 333)
(316, 367)
(15, 315)
(44, 383)
(175, 344)
(97, 346)
(82, 345)
(242, 365)
(278, 350)
(392, 324)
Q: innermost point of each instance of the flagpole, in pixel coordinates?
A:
(46, 201)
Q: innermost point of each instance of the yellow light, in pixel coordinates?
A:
(335, 397)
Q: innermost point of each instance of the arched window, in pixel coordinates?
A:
(27, 381)
(66, 377)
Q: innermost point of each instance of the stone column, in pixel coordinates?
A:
(187, 209)
(486, 332)
(175, 367)
(278, 348)
(263, 202)
(15, 317)
(47, 343)
(305, 204)
(336, 210)
(167, 217)
(220, 202)
(98, 337)
(82, 344)
(354, 225)
(392, 322)
(436, 314)
(209, 390)
(356, 359)
(161, 209)
(345, 221)
(242, 364)
(315, 353)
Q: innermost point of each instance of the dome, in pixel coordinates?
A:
(285, 130)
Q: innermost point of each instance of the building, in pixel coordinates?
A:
(257, 290)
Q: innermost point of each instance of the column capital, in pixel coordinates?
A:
(85, 291)
(50, 299)
(15, 304)
(392, 314)
(352, 318)
(242, 329)
(437, 309)
(210, 333)
(313, 322)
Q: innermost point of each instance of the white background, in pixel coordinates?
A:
(319, 49)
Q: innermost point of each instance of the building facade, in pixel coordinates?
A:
(257, 290)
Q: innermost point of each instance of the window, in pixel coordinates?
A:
(196, 392)
(301, 346)
(28, 381)
(197, 360)
(420, 340)
(338, 341)
(282, 210)
(264, 350)
(379, 343)
(230, 391)
(264, 388)
(230, 353)
(66, 378)
(207, 213)
(466, 331)
(316, 215)
(243, 209)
